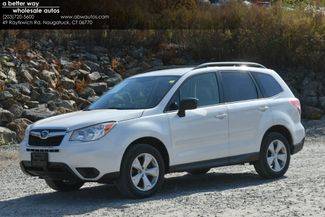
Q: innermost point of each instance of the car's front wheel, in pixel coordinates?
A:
(274, 156)
(63, 185)
(142, 171)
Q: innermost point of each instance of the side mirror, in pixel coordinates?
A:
(186, 104)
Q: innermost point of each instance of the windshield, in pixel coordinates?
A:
(136, 93)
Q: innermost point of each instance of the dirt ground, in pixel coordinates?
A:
(227, 191)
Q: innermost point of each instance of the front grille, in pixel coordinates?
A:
(51, 141)
(54, 138)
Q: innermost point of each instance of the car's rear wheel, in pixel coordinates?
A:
(142, 171)
(64, 185)
(274, 156)
(198, 171)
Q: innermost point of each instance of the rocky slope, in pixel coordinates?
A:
(42, 79)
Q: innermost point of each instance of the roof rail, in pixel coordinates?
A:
(249, 64)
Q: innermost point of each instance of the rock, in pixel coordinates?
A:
(9, 64)
(16, 109)
(37, 113)
(92, 65)
(35, 95)
(26, 76)
(91, 56)
(45, 97)
(80, 74)
(49, 77)
(41, 83)
(68, 104)
(23, 88)
(87, 92)
(5, 95)
(5, 116)
(67, 83)
(8, 103)
(12, 76)
(32, 104)
(310, 112)
(93, 98)
(19, 126)
(94, 76)
(99, 88)
(3, 76)
(7, 136)
(113, 80)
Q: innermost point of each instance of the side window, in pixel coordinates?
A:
(238, 86)
(204, 87)
(267, 83)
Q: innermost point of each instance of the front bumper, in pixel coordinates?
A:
(88, 161)
(61, 171)
(298, 147)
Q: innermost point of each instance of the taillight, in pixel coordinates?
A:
(296, 103)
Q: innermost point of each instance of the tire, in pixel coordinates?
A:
(198, 171)
(60, 185)
(139, 187)
(273, 164)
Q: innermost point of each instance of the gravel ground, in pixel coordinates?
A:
(227, 191)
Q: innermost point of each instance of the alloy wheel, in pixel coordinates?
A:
(276, 155)
(144, 172)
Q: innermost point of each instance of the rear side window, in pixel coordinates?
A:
(268, 84)
(238, 86)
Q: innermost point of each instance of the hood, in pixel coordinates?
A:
(75, 120)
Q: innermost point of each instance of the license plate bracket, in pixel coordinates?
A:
(39, 159)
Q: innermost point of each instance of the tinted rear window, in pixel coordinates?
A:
(268, 84)
(238, 86)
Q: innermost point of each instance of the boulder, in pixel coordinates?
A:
(12, 76)
(99, 87)
(68, 104)
(67, 83)
(94, 76)
(7, 136)
(26, 76)
(87, 92)
(23, 88)
(92, 65)
(5, 95)
(310, 112)
(5, 116)
(19, 126)
(32, 104)
(37, 113)
(49, 77)
(16, 109)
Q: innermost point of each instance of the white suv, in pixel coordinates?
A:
(184, 119)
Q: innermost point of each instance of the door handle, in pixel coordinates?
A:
(263, 108)
(221, 116)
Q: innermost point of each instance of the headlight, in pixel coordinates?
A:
(92, 133)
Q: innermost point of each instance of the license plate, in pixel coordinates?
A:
(39, 159)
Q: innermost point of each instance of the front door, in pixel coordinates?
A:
(202, 134)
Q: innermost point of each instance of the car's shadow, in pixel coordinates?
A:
(89, 199)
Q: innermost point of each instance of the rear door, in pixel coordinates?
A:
(247, 111)
(203, 133)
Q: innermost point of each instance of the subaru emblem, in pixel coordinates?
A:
(44, 134)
